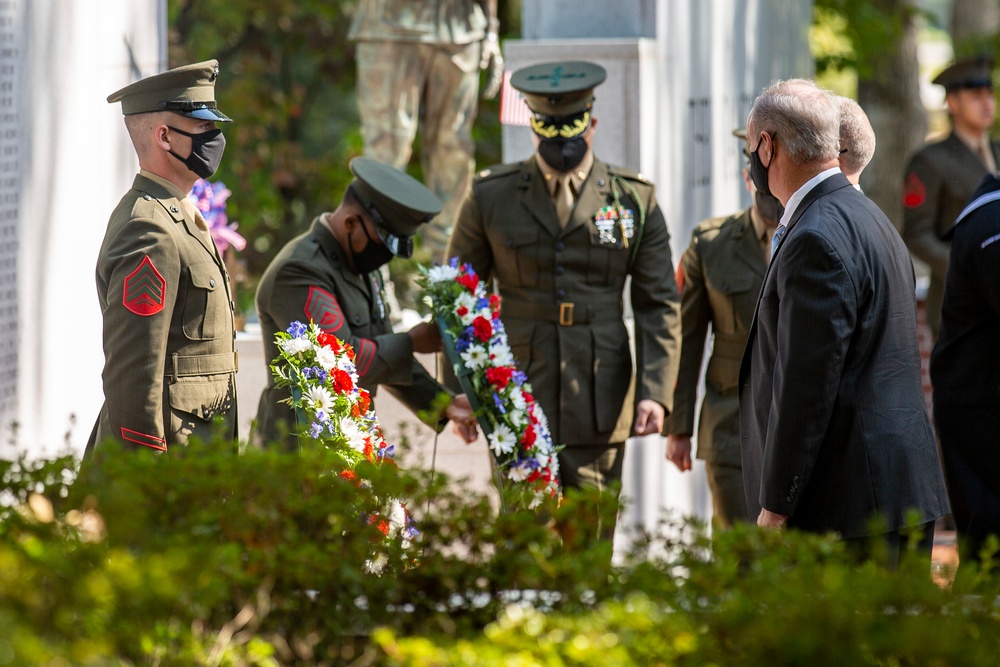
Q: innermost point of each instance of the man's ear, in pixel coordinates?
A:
(161, 136)
(352, 221)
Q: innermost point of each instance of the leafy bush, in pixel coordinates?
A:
(202, 557)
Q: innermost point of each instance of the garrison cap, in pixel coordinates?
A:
(397, 202)
(972, 72)
(560, 88)
(188, 91)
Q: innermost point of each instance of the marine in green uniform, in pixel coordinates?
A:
(720, 276)
(560, 233)
(941, 176)
(169, 340)
(329, 276)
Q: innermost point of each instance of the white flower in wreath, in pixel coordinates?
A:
(468, 302)
(442, 274)
(519, 472)
(352, 433)
(502, 440)
(397, 518)
(501, 355)
(294, 346)
(319, 398)
(518, 418)
(475, 357)
(377, 564)
(325, 357)
(517, 399)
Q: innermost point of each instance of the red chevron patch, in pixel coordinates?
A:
(364, 355)
(144, 289)
(324, 309)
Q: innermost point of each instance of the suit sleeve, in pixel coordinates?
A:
(301, 293)
(696, 314)
(816, 321)
(922, 196)
(468, 239)
(656, 307)
(143, 271)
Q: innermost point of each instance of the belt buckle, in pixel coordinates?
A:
(566, 314)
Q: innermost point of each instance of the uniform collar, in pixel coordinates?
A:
(576, 176)
(170, 187)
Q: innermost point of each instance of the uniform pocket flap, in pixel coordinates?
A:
(732, 283)
(202, 398)
(205, 275)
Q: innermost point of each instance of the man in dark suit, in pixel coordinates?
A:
(965, 370)
(941, 176)
(834, 431)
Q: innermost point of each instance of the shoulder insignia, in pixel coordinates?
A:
(143, 289)
(364, 355)
(499, 170)
(713, 224)
(628, 173)
(324, 309)
(914, 191)
(151, 441)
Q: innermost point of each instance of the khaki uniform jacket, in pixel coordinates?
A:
(562, 292)
(310, 280)
(720, 278)
(169, 338)
(940, 179)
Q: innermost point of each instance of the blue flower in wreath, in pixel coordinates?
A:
(499, 403)
(297, 330)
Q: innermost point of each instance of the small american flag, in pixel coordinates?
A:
(513, 110)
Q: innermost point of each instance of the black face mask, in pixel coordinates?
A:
(563, 154)
(372, 256)
(206, 151)
(758, 174)
(769, 206)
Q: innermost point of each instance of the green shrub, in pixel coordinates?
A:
(203, 557)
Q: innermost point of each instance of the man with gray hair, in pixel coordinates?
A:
(857, 140)
(834, 433)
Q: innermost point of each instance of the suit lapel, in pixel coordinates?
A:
(535, 198)
(831, 184)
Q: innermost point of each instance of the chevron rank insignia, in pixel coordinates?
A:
(323, 309)
(144, 289)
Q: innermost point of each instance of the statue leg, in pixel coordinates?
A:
(447, 150)
(390, 79)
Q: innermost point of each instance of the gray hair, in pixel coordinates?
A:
(805, 117)
(857, 138)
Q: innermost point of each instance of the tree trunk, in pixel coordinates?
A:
(973, 24)
(890, 96)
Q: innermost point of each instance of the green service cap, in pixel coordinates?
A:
(559, 88)
(973, 72)
(188, 91)
(398, 203)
